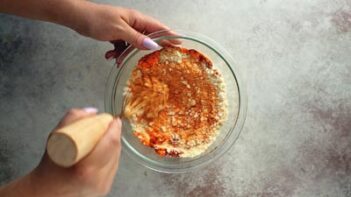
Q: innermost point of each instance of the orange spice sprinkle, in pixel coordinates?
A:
(182, 102)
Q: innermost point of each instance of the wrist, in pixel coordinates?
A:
(42, 183)
(70, 13)
(47, 180)
(37, 184)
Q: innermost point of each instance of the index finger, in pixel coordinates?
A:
(147, 24)
(75, 114)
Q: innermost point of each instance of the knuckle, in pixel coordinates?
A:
(86, 175)
(83, 172)
(103, 190)
(117, 29)
(73, 112)
(133, 12)
(138, 38)
(115, 140)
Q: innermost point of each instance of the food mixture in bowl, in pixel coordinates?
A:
(178, 100)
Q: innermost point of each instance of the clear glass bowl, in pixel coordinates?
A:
(235, 93)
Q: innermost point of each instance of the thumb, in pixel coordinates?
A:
(138, 39)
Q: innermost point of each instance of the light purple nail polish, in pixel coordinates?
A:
(90, 109)
(150, 44)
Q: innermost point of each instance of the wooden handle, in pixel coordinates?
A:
(68, 145)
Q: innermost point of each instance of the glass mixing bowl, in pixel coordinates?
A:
(235, 93)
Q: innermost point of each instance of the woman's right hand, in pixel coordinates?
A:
(90, 177)
(93, 175)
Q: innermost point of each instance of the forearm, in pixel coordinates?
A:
(32, 185)
(63, 12)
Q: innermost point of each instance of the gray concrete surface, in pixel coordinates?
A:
(295, 56)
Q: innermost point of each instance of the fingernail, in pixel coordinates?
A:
(150, 44)
(90, 109)
(109, 55)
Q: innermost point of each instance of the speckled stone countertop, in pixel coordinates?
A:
(294, 55)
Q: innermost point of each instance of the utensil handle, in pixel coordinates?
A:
(68, 145)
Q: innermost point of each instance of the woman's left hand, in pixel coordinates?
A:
(118, 25)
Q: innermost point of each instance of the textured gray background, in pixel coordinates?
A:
(295, 56)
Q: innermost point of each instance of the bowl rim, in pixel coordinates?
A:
(242, 100)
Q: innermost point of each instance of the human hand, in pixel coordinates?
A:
(98, 21)
(90, 177)
(118, 25)
(93, 175)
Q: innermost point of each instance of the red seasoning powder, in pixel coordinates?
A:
(184, 102)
